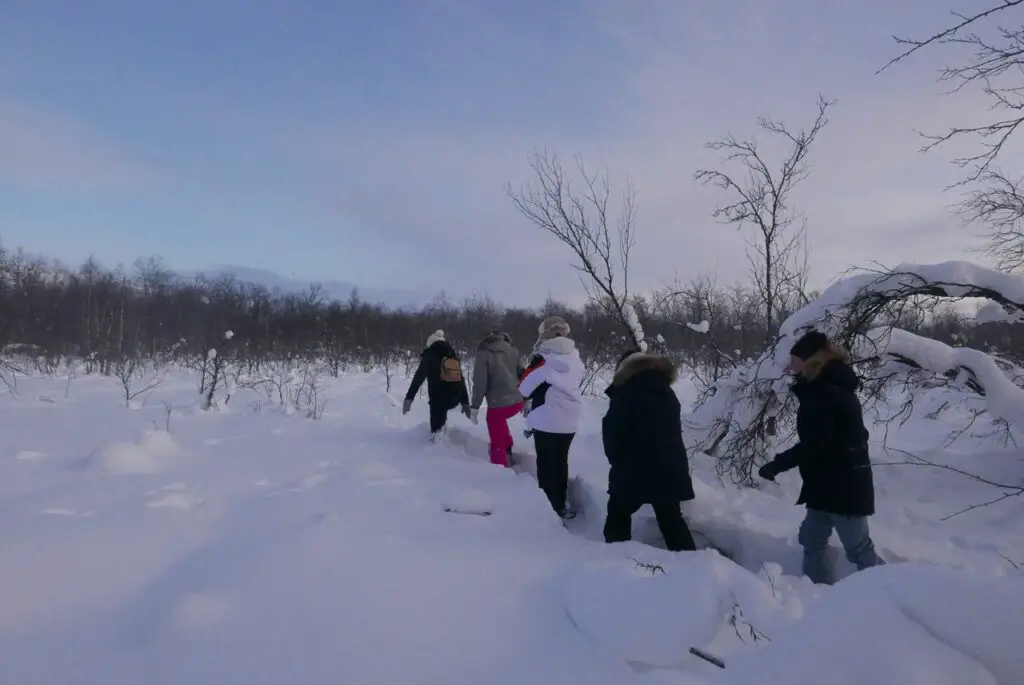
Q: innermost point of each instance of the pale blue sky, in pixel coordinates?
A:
(370, 141)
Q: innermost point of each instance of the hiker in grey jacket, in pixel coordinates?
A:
(496, 375)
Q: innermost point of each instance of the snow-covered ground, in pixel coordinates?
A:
(250, 546)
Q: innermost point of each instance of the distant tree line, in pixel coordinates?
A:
(107, 317)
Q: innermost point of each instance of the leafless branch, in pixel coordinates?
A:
(762, 200)
(992, 60)
(581, 220)
(1008, 489)
(963, 21)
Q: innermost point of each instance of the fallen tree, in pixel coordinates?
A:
(738, 424)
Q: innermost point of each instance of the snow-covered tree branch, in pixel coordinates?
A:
(736, 424)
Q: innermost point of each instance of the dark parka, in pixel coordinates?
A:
(643, 434)
(832, 452)
(439, 393)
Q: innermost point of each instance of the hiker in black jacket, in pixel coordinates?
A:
(643, 440)
(832, 455)
(444, 392)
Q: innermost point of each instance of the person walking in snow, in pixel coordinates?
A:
(551, 386)
(446, 388)
(643, 440)
(496, 378)
(832, 456)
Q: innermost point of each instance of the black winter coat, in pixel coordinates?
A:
(832, 452)
(643, 434)
(439, 392)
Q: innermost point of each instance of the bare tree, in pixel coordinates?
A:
(389, 360)
(760, 199)
(993, 63)
(996, 66)
(998, 205)
(215, 370)
(128, 369)
(581, 221)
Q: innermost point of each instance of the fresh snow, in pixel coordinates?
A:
(252, 545)
(633, 322)
(1004, 399)
(764, 383)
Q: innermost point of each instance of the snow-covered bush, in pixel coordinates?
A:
(736, 425)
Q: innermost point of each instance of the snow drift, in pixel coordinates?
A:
(147, 456)
(906, 624)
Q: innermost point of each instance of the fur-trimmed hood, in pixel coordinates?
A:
(642, 362)
(831, 365)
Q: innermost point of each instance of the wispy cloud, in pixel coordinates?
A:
(43, 149)
(377, 142)
(696, 73)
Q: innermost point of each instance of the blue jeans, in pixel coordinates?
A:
(814, 535)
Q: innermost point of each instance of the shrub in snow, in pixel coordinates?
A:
(214, 376)
(137, 378)
(298, 387)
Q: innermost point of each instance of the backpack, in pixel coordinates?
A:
(451, 370)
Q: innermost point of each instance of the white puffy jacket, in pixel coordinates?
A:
(555, 408)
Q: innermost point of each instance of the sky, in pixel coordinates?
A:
(372, 142)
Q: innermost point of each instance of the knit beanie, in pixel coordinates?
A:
(435, 337)
(810, 343)
(553, 327)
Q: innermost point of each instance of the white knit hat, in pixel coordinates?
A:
(435, 336)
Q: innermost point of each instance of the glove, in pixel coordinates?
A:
(466, 411)
(474, 416)
(768, 471)
(406, 406)
(526, 408)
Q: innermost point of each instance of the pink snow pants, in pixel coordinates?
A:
(500, 435)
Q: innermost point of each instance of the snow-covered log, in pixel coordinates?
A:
(736, 424)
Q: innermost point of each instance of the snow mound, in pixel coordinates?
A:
(907, 624)
(158, 443)
(147, 456)
(652, 614)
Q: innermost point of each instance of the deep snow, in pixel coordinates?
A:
(250, 546)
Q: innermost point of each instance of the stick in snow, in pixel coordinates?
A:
(710, 658)
(471, 512)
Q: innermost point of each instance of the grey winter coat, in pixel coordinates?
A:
(496, 372)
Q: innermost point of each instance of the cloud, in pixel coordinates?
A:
(434, 192)
(41, 149)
